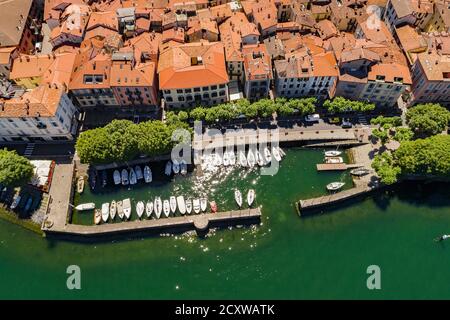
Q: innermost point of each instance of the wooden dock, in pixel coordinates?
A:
(337, 166)
(334, 198)
(200, 222)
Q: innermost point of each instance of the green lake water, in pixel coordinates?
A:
(321, 256)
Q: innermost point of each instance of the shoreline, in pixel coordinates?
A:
(24, 223)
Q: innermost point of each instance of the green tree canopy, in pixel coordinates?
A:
(340, 105)
(427, 119)
(385, 167)
(15, 170)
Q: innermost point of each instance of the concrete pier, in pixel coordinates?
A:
(201, 222)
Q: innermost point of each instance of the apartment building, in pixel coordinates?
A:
(42, 114)
(413, 12)
(431, 72)
(258, 71)
(193, 74)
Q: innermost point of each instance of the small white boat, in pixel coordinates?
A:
(259, 158)
(85, 206)
(80, 185)
(138, 171)
(181, 205)
(166, 208)
(176, 167)
(226, 159)
(267, 155)
(188, 206)
(203, 204)
(120, 209)
(157, 207)
(281, 151)
(113, 209)
(217, 160)
(116, 177)
(133, 178)
(196, 205)
(127, 208)
(105, 212)
(335, 186)
(140, 209)
(332, 153)
(250, 197)
(232, 158)
(16, 201)
(97, 216)
(334, 160)
(168, 170)
(183, 167)
(147, 174)
(173, 204)
(242, 159)
(149, 208)
(238, 197)
(276, 154)
(251, 159)
(359, 172)
(125, 180)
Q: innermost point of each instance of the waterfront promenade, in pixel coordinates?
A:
(200, 222)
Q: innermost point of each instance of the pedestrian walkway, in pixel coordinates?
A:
(29, 149)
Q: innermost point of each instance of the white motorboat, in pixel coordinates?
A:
(80, 184)
(97, 216)
(281, 151)
(217, 160)
(138, 171)
(127, 208)
(120, 209)
(226, 159)
(149, 209)
(232, 158)
(188, 204)
(196, 205)
(166, 208)
(125, 177)
(157, 207)
(140, 209)
(276, 154)
(85, 206)
(242, 159)
(168, 170)
(116, 177)
(173, 204)
(335, 186)
(259, 158)
(332, 153)
(238, 197)
(267, 155)
(147, 174)
(176, 167)
(183, 167)
(250, 197)
(133, 178)
(359, 172)
(181, 205)
(113, 210)
(203, 204)
(334, 160)
(105, 212)
(251, 159)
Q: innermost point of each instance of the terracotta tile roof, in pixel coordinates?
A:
(73, 23)
(5, 54)
(40, 102)
(257, 62)
(326, 29)
(13, 18)
(380, 34)
(391, 72)
(263, 11)
(145, 46)
(178, 68)
(131, 74)
(26, 66)
(60, 70)
(173, 34)
(301, 64)
(195, 25)
(54, 8)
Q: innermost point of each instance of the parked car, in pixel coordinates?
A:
(335, 120)
(346, 124)
(312, 118)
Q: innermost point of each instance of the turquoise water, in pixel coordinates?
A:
(321, 256)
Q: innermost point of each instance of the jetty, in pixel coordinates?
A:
(200, 223)
(337, 166)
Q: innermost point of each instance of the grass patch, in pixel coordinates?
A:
(25, 223)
